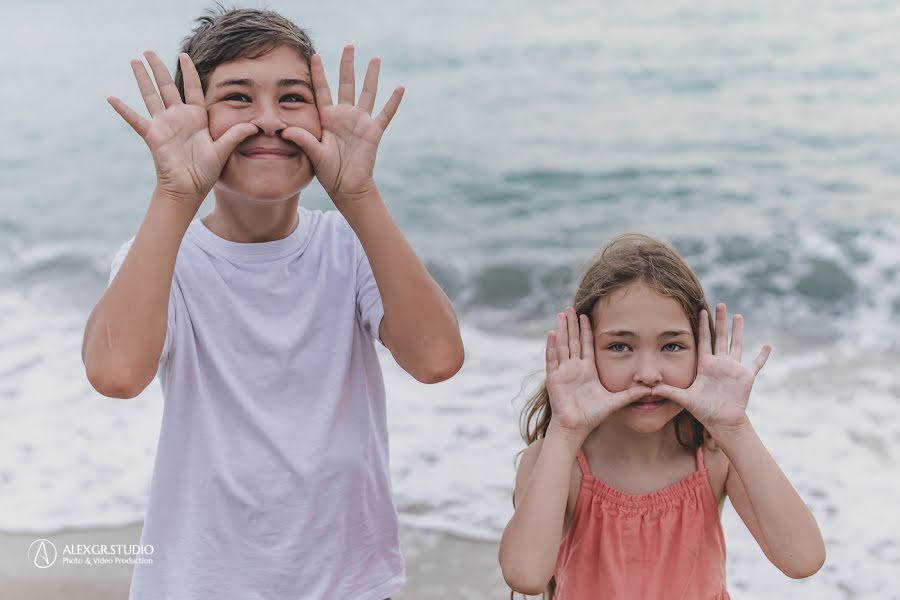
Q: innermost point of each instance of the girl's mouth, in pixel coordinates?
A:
(648, 404)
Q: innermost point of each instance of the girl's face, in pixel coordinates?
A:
(642, 338)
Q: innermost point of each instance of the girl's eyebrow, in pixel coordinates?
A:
(625, 333)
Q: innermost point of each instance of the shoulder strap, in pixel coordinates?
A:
(700, 465)
(583, 463)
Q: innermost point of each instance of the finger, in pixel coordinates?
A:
(370, 86)
(308, 143)
(151, 98)
(587, 339)
(677, 395)
(552, 360)
(574, 337)
(562, 338)
(229, 140)
(137, 122)
(346, 77)
(626, 397)
(721, 346)
(737, 337)
(320, 82)
(164, 81)
(761, 359)
(390, 108)
(703, 333)
(193, 89)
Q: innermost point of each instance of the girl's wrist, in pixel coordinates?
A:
(727, 436)
(572, 438)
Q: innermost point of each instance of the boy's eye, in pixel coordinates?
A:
(619, 347)
(672, 347)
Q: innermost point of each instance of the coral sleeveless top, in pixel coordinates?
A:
(665, 545)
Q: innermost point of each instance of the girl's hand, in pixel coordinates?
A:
(344, 159)
(578, 399)
(188, 161)
(720, 392)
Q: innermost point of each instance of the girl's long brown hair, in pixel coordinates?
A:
(626, 259)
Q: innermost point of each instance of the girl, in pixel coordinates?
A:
(635, 439)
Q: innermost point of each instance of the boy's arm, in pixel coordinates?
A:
(125, 332)
(419, 325)
(769, 505)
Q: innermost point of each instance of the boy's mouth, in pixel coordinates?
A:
(271, 153)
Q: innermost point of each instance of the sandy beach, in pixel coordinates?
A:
(438, 566)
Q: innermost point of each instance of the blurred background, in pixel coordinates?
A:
(762, 139)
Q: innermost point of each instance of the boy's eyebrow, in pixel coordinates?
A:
(251, 83)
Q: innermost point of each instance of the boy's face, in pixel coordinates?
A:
(272, 92)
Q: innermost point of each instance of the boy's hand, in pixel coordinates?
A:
(577, 397)
(188, 161)
(720, 392)
(345, 157)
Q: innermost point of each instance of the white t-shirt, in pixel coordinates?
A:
(271, 477)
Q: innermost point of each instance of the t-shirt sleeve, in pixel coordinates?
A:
(369, 309)
(170, 322)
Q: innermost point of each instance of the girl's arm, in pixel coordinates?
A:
(579, 403)
(770, 507)
(761, 494)
(530, 542)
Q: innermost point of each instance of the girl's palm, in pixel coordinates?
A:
(577, 397)
(719, 395)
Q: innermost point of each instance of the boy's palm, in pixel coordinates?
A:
(577, 397)
(188, 161)
(344, 160)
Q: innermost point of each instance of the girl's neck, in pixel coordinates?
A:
(615, 441)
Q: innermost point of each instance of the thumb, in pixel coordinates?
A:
(677, 395)
(229, 140)
(626, 397)
(308, 143)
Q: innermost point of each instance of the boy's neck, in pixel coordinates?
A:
(246, 221)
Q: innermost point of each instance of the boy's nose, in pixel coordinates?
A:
(268, 123)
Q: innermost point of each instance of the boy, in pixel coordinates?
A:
(271, 477)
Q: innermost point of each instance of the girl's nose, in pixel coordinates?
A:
(647, 373)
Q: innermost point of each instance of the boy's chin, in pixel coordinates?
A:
(262, 193)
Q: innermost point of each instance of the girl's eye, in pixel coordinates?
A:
(293, 98)
(672, 347)
(238, 97)
(619, 347)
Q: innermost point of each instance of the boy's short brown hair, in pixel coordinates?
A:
(223, 35)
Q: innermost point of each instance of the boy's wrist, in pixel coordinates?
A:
(181, 209)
